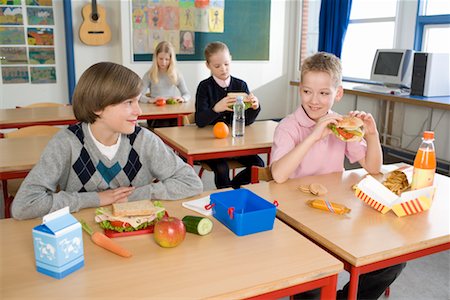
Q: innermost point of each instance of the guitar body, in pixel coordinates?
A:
(94, 30)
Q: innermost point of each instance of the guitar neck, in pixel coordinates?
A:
(94, 14)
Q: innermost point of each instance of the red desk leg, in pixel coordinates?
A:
(180, 120)
(329, 291)
(353, 287)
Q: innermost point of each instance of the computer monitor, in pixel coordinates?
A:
(393, 67)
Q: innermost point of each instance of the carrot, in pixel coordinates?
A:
(105, 242)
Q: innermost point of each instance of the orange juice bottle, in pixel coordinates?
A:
(424, 163)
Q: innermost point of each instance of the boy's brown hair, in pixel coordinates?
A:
(213, 48)
(323, 62)
(101, 85)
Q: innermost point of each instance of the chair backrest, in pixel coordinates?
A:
(38, 130)
(42, 104)
(260, 174)
(189, 119)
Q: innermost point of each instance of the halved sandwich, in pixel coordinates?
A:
(349, 129)
(129, 216)
(244, 95)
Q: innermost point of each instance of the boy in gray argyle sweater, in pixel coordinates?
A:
(106, 158)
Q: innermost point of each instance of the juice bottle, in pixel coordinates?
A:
(424, 163)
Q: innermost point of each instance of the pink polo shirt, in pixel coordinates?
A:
(325, 156)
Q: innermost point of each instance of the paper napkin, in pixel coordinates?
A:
(198, 205)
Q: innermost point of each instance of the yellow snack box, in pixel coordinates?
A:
(380, 198)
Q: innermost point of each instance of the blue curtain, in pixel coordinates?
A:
(333, 23)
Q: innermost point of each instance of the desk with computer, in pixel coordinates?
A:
(404, 72)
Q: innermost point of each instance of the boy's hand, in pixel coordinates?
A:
(223, 105)
(253, 100)
(370, 127)
(321, 129)
(116, 195)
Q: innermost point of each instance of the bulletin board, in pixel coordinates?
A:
(246, 32)
(27, 47)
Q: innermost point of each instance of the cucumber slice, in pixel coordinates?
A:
(198, 225)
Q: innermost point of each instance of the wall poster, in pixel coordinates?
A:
(154, 21)
(27, 53)
(244, 25)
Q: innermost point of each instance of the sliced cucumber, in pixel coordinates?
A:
(198, 225)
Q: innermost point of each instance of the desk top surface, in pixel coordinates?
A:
(218, 265)
(194, 140)
(364, 235)
(65, 113)
(21, 153)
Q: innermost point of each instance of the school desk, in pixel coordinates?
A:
(365, 240)
(18, 156)
(219, 265)
(63, 115)
(194, 143)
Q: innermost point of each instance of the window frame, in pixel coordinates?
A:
(422, 21)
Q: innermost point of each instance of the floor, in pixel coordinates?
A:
(426, 278)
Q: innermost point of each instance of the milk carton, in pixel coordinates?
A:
(58, 244)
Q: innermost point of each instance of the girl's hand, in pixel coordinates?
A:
(224, 104)
(116, 195)
(253, 100)
(370, 127)
(178, 98)
(321, 129)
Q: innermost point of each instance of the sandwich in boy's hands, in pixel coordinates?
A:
(370, 127)
(348, 129)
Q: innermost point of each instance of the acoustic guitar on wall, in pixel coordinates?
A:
(94, 30)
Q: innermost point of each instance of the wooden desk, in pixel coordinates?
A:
(220, 265)
(63, 115)
(365, 240)
(194, 143)
(18, 156)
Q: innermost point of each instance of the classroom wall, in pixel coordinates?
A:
(268, 80)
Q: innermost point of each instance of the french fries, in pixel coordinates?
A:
(396, 182)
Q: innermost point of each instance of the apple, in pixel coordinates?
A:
(160, 102)
(169, 232)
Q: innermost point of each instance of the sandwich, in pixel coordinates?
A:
(244, 97)
(236, 94)
(349, 129)
(129, 216)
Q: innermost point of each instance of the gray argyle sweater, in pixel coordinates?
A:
(72, 170)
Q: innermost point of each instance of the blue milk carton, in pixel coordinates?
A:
(58, 244)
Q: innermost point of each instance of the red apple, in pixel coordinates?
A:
(160, 102)
(169, 232)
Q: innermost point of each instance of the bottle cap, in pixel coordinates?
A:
(239, 98)
(428, 135)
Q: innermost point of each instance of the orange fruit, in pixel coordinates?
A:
(221, 130)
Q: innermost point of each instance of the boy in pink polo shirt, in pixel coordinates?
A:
(304, 145)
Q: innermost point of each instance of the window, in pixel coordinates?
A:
(393, 24)
(433, 26)
(371, 27)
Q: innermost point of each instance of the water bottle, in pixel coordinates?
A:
(238, 117)
(424, 163)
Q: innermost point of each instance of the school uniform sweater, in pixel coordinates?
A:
(72, 170)
(209, 93)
